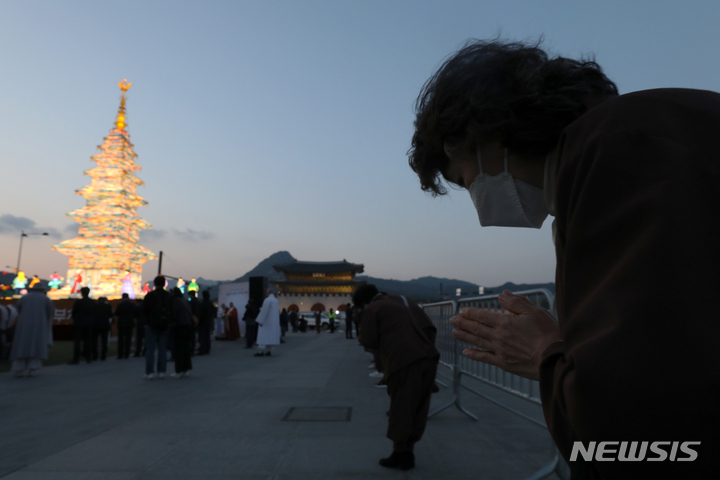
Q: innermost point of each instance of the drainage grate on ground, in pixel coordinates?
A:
(318, 414)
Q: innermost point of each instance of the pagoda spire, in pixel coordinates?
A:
(120, 122)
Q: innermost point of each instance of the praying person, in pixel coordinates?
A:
(404, 336)
(33, 333)
(632, 183)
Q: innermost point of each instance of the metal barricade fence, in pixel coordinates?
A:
(440, 313)
(451, 356)
(522, 387)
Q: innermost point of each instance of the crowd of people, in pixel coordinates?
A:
(166, 326)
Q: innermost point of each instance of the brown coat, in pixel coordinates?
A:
(387, 327)
(638, 219)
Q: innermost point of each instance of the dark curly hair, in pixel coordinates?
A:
(364, 294)
(509, 92)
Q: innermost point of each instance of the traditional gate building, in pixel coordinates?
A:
(310, 286)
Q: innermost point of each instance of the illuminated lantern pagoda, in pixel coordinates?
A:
(107, 247)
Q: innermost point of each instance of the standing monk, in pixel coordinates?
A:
(404, 337)
(233, 331)
(33, 333)
(268, 321)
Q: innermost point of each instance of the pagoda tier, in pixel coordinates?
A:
(106, 254)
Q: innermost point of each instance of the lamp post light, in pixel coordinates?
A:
(23, 235)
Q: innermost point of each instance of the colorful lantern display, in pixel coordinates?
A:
(106, 253)
(19, 282)
(55, 281)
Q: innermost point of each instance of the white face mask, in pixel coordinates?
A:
(502, 201)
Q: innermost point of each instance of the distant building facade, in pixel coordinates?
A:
(310, 286)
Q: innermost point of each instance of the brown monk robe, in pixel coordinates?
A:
(233, 332)
(404, 336)
(637, 209)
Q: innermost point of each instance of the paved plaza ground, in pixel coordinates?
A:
(103, 421)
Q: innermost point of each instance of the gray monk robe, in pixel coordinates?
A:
(33, 333)
(637, 204)
(404, 337)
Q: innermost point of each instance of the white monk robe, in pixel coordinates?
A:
(33, 334)
(268, 323)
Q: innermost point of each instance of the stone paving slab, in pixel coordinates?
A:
(104, 421)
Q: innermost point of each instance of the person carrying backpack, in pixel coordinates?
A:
(157, 308)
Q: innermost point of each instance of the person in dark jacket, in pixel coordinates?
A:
(632, 183)
(195, 308)
(293, 319)
(182, 324)
(206, 317)
(283, 322)
(348, 321)
(139, 330)
(318, 321)
(126, 313)
(404, 337)
(83, 315)
(356, 319)
(101, 329)
(251, 326)
(156, 309)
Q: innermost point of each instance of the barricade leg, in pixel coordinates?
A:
(554, 467)
(455, 401)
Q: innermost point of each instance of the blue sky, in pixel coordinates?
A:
(275, 125)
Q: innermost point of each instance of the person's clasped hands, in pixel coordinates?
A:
(513, 341)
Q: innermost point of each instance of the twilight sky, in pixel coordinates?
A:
(283, 125)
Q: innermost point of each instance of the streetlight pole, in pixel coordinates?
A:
(23, 235)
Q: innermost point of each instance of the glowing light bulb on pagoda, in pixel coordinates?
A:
(107, 254)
